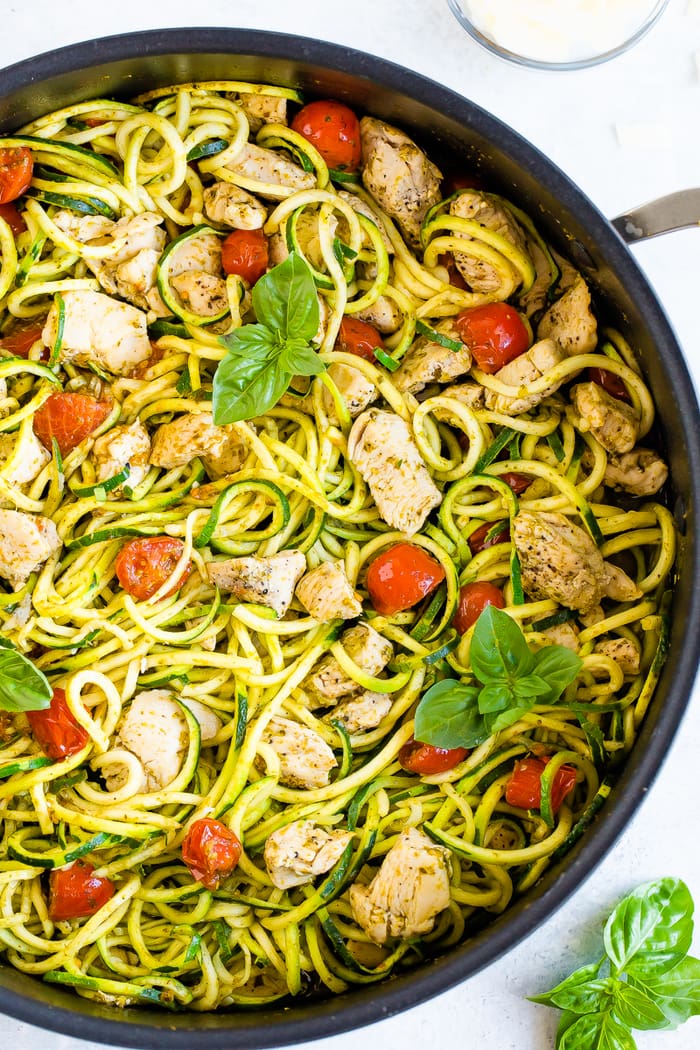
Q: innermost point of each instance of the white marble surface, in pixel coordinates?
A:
(626, 132)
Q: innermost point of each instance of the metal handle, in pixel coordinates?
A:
(674, 212)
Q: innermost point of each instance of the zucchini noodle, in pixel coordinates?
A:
(501, 447)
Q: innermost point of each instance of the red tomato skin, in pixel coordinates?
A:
(246, 253)
(473, 599)
(12, 217)
(454, 276)
(16, 167)
(56, 730)
(76, 892)
(144, 564)
(519, 483)
(20, 341)
(495, 333)
(359, 338)
(401, 576)
(426, 759)
(211, 851)
(479, 539)
(610, 383)
(524, 789)
(69, 418)
(335, 132)
(462, 180)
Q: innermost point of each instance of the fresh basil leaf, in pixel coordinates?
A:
(244, 389)
(597, 1031)
(676, 992)
(583, 992)
(251, 341)
(531, 687)
(23, 687)
(636, 1009)
(498, 648)
(558, 666)
(285, 299)
(494, 698)
(506, 718)
(650, 931)
(300, 359)
(565, 1022)
(448, 716)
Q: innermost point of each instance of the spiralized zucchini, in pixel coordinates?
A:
(164, 938)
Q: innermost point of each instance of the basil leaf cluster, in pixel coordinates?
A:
(646, 979)
(263, 357)
(23, 687)
(512, 680)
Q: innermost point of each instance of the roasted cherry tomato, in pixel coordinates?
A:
(246, 253)
(454, 181)
(12, 217)
(495, 333)
(454, 276)
(21, 339)
(144, 564)
(425, 759)
(335, 132)
(401, 576)
(473, 599)
(56, 730)
(488, 535)
(69, 418)
(610, 383)
(359, 338)
(516, 481)
(16, 167)
(76, 892)
(524, 788)
(211, 851)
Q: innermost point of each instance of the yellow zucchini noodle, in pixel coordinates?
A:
(164, 937)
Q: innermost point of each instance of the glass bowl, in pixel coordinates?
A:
(522, 39)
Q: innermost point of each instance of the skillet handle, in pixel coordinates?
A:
(673, 212)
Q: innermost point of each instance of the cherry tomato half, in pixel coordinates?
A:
(69, 418)
(76, 892)
(246, 253)
(524, 788)
(211, 851)
(425, 759)
(495, 333)
(454, 181)
(21, 339)
(401, 576)
(473, 599)
(145, 563)
(13, 218)
(488, 535)
(610, 383)
(359, 338)
(16, 167)
(56, 730)
(516, 481)
(453, 275)
(335, 132)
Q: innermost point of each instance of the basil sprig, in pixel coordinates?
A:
(263, 357)
(22, 686)
(512, 680)
(645, 980)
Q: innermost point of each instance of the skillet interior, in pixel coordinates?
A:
(444, 123)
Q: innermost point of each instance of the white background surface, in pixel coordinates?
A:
(625, 132)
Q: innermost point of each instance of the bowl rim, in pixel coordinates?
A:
(228, 1030)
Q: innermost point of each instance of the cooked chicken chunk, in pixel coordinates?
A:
(361, 713)
(355, 388)
(232, 206)
(262, 109)
(525, 369)
(155, 730)
(305, 758)
(281, 176)
(26, 542)
(624, 652)
(536, 297)
(559, 560)
(209, 722)
(131, 271)
(429, 362)
(570, 321)
(469, 394)
(327, 594)
(613, 423)
(201, 293)
(398, 175)
(480, 275)
(565, 634)
(200, 254)
(381, 447)
(99, 330)
(408, 892)
(299, 852)
(30, 457)
(195, 434)
(120, 447)
(383, 314)
(267, 581)
(641, 472)
(362, 208)
(328, 683)
(83, 228)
